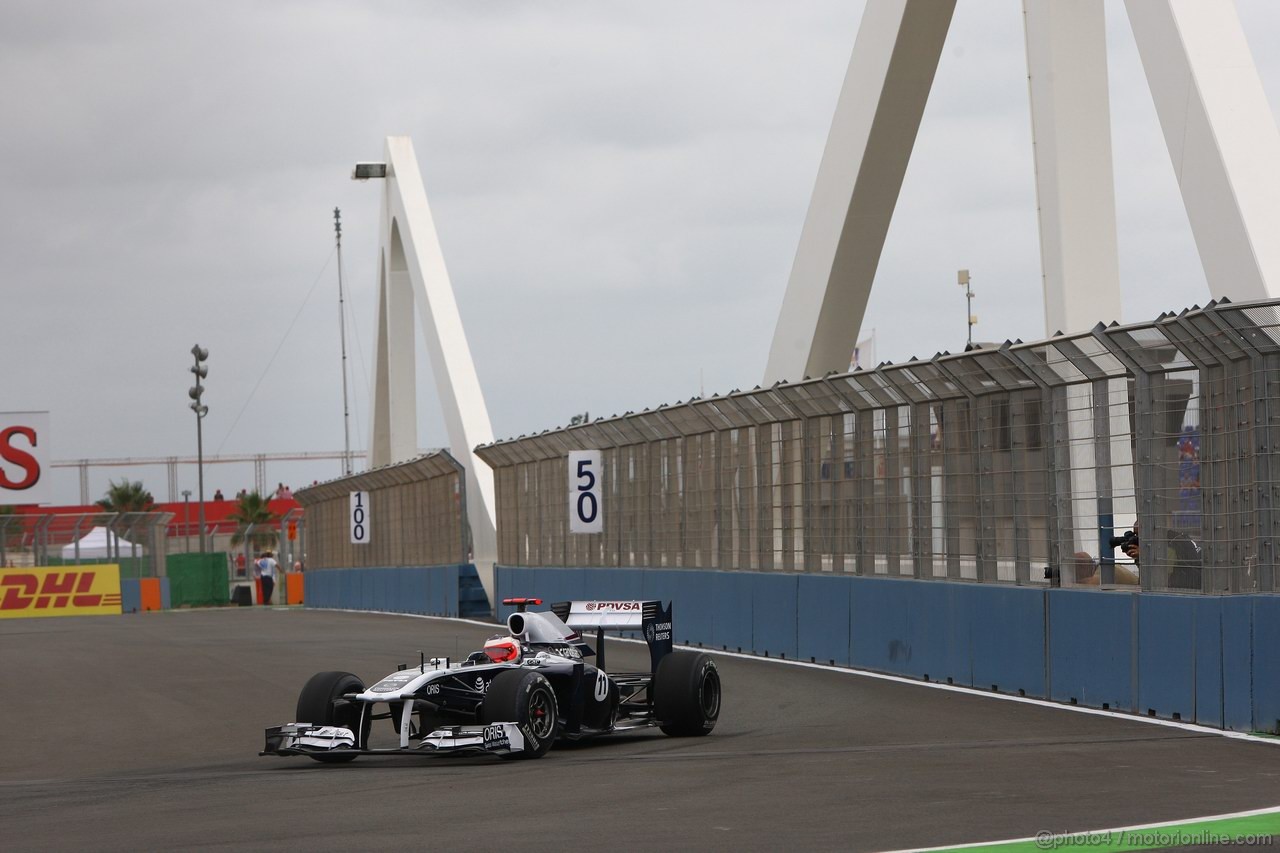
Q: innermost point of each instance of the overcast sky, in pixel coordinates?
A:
(619, 189)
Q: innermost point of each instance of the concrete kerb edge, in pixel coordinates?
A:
(1046, 841)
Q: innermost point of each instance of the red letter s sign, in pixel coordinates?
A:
(21, 458)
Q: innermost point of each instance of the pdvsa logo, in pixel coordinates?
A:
(51, 592)
(614, 606)
(24, 458)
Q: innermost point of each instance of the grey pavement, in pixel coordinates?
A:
(142, 731)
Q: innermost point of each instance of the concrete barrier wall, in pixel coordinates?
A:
(144, 594)
(429, 590)
(1203, 659)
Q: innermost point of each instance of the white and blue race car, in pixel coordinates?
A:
(539, 682)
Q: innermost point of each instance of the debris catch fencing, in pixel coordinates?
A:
(415, 516)
(1015, 464)
(137, 541)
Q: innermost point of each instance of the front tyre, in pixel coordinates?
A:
(525, 698)
(321, 704)
(686, 694)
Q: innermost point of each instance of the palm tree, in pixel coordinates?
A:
(252, 509)
(126, 496)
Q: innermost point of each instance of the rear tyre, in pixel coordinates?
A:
(525, 698)
(320, 703)
(686, 694)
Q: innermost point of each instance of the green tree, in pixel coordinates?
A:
(252, 509)
(126, 496)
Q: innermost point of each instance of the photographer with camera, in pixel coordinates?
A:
(1183, 553)
(1091, 572)
(1128, 543)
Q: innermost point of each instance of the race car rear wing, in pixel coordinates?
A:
(650, 618)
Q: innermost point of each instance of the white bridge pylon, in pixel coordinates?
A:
(412, 274)
(1217, 124)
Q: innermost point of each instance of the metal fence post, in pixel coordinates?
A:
(1145, 459)
(921, 506)
(1057, 460)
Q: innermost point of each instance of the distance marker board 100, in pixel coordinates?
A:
(359, 518)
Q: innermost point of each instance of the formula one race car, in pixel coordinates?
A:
(517, 695)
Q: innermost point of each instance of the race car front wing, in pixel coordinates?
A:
(308, 739)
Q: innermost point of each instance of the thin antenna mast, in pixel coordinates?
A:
(962, 277)
(342, 332)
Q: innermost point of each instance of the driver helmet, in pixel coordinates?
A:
(503, 649)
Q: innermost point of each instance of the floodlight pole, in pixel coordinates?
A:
(186, 517)
(200, 471)
(201, 371)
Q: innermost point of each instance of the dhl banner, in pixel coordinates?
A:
(63, 591)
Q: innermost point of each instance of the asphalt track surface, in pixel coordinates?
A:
(141, 732)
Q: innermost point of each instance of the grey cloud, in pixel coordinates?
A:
(619, 190)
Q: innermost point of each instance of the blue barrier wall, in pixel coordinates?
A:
(1166, 641)
(963, 633)
(130, 596)
(1205, 659)
(427, 590)
(1265, 632)
(1196, 658)
(1091, 646)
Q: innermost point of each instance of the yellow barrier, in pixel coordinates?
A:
(69, 591)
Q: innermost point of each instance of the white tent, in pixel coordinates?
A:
(94, 544)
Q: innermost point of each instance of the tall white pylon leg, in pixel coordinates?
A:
(393, 434)
(1079, 256)
(872, 134)
(412, 274)
(1221, 136)
(1071, 141)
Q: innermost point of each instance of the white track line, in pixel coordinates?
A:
(1048, 842)
(864, 673)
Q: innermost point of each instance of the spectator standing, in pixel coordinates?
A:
(217, 495)
(265, 567)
